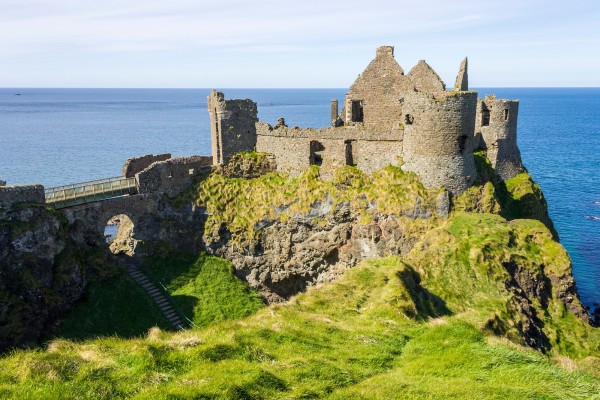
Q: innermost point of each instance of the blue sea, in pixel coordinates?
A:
(60, 136)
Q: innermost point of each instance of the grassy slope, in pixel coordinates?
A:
(375, 333)
(204, 287)
(117, 306)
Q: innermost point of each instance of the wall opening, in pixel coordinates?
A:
(409, 119)
(357, 110)
(316, 155)
(119, 235)
(462, 142)
(217, 136)
(505, 115)
(485, 117)
(349, 152)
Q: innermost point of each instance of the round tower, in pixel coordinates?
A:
(497, 122)
(439, 137)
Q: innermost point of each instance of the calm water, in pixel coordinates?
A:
(59, 136)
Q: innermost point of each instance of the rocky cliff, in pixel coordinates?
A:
(41, 274)
(286, 234)
(492, 249)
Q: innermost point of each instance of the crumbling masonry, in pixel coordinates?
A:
(387, 118)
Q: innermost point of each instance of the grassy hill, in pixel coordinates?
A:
(378, 332)
(483, 306)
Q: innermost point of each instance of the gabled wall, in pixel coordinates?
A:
(380, 88)
(425, 79)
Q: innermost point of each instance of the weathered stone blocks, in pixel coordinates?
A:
(497, 125)
(11, 195)
(438, 140)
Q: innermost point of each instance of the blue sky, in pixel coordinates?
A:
(301, 43)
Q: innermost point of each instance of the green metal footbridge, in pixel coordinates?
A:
(88, 192)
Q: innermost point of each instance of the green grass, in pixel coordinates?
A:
(375, 333)
(516, 198)
(241, 204)
(117, 306)
(443, 322)
(204, 287)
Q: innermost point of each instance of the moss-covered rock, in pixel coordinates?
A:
(41, 274)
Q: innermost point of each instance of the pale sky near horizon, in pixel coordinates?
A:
(307, 43)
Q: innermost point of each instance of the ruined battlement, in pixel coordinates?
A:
(171, 176)
(496, 130)
(386, 116)
(232, 125)
(354, 132)
(11, 195)
(137, 164)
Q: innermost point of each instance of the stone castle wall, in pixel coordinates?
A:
(232, 126)
(137, 164)
(439, 139)
(497, 126)
(172, 176)
(295, 149)
(11, 195)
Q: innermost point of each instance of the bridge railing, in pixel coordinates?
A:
(87, 192)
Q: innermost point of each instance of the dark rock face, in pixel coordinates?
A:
(317, 247)
(35, 285)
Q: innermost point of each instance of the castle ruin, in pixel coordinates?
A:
(387, 118)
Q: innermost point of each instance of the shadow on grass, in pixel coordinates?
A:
(186, 305)
(117, 306)
(529, 205)
(427, 304)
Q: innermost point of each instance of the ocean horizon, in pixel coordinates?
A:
(55, 136)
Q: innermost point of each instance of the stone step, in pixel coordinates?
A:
(157, 296)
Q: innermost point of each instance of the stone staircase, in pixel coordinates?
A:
(161, 300)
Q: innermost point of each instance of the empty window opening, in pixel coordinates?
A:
(191, 171)
(218, 137)
(316, 156)
(485, 117)
(357, 111)
(118, 233)
(462, 142)
(408, 119)
(349, 148)
(505, 115)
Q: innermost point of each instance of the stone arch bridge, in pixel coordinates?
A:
(143, 193)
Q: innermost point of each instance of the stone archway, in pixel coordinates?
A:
(119, 233)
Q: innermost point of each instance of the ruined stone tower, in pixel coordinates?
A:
(497, 126)
(232, 126)
(438, 138)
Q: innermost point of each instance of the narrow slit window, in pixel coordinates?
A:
(349, 150)
(505, 115)
(485, 117)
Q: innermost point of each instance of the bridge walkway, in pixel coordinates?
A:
(88, 192)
